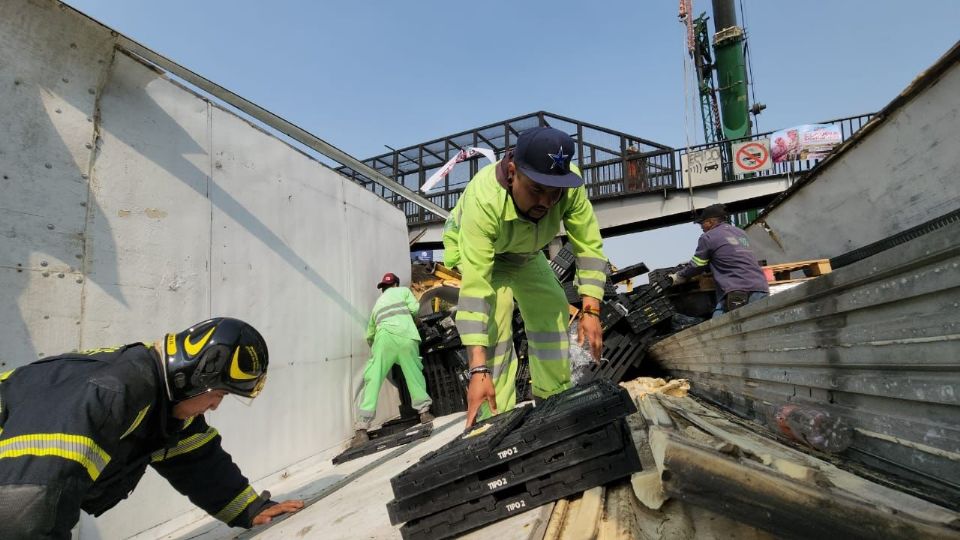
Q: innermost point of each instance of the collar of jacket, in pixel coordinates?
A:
(509, 207)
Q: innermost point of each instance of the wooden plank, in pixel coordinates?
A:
(583, 522)
(557, 519)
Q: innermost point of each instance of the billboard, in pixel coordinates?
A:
(809, 141)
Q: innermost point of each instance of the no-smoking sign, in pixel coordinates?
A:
(751, 157)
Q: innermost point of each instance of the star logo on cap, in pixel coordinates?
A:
(559, 159)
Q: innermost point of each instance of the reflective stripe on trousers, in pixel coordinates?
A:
(543, 306)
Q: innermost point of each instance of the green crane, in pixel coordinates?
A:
(724, 105)
(728, 44)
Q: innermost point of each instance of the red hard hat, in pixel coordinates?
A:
(389, 280)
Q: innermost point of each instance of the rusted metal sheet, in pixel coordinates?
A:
(875, 342)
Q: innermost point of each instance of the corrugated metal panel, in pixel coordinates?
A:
(875, 342)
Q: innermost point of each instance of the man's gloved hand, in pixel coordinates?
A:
(675, 279)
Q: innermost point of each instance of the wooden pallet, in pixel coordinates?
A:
(784, 272)
(781, 273)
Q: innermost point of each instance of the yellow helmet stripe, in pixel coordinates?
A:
(194, 348)
(235, 372)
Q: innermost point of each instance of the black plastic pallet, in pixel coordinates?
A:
(524, 388)
(560, 417)
(644, 294)
(480, 439)
(604, 440)
(527, 496)
(431, 318)
(613, 311)
(620, 353)
(378, 443)
(563, 263)
(445, 375)
(650, 315)
(609, 290)
(394, 426)
(522, 350)
(629, 272)
(661, 281)
(572, 294)
(660, 276)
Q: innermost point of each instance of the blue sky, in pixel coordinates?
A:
(362, 75)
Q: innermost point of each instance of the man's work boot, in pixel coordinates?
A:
(360, 438)
(426, 417)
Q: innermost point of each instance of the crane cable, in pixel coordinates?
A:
(746, 53)
(686, 7)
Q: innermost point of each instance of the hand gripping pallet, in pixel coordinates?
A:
(560, 417)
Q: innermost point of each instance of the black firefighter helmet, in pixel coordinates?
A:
(216, 354)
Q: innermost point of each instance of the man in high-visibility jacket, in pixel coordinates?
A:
(507, 214)
(393, 339)
(77, 431)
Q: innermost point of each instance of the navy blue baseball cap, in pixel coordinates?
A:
(712, 211)
(544, 154)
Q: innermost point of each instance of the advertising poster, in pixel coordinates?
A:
(809, 141)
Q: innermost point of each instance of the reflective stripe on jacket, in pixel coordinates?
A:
(393, 313)
(79, 430)
(725, 250)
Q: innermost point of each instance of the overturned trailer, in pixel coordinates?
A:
(109, 162)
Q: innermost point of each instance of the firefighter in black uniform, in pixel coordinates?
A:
(77, 431)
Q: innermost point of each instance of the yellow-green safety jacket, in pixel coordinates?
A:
(484, 227)
(393, 313)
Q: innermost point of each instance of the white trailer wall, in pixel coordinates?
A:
(901, 174)
(130, 206)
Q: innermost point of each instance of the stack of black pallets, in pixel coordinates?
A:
(631, 323)
(438, 332)
(563, 263)
(564, 267)
(445, 374)
(621, 352)
(517, 461)
(444, 363)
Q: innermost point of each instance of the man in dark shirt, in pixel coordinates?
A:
(77, 431)
(725, 250)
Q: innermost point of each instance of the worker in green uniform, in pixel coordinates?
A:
(77, 431)
(393, 339)
(495, 234)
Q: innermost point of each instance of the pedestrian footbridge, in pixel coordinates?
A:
(635, 184)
